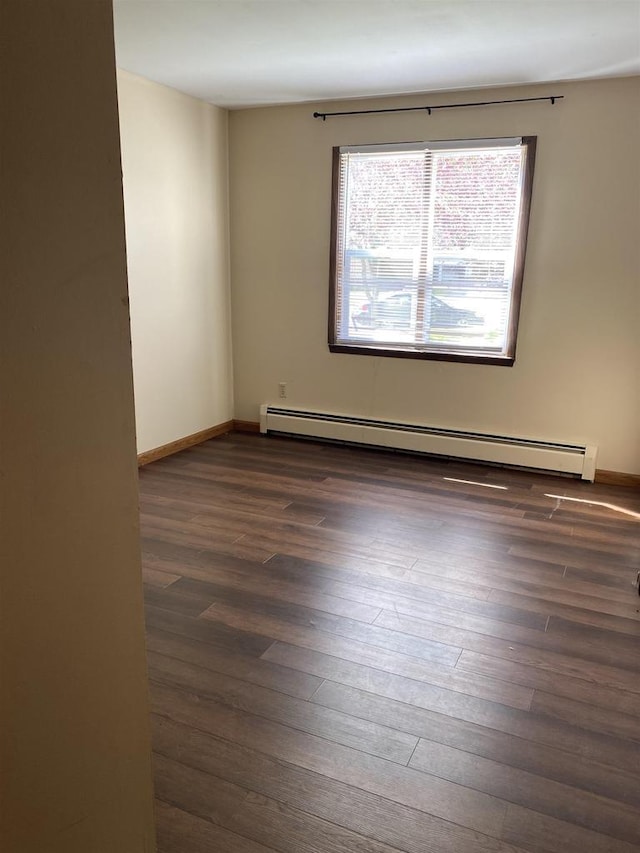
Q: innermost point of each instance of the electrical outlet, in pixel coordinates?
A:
(282, 390)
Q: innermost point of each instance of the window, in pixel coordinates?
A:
(428, 243)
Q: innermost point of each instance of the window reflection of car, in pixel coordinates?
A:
(394, 311)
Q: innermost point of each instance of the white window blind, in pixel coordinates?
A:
(429, 247)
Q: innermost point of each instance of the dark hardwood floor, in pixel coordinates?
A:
(353, 651)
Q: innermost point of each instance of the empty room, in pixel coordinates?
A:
(322, 470)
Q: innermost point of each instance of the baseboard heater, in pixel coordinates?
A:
(478, 447)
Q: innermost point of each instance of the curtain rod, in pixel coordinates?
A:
(430, 109)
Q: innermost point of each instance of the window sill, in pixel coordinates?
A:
(424, 355)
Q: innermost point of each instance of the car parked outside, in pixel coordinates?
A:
(395, 310)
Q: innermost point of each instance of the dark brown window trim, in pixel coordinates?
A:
(529, 142)
(506, 360)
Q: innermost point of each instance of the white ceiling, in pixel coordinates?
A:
(238, 53)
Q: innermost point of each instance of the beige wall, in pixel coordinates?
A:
(174, 156)
(577, 372)
(75, 761)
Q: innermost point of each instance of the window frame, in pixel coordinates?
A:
(508, 358)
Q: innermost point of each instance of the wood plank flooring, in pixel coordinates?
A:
(354, 651)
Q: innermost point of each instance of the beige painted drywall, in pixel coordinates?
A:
(75, 763)
(577, 373)
(174, 159)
